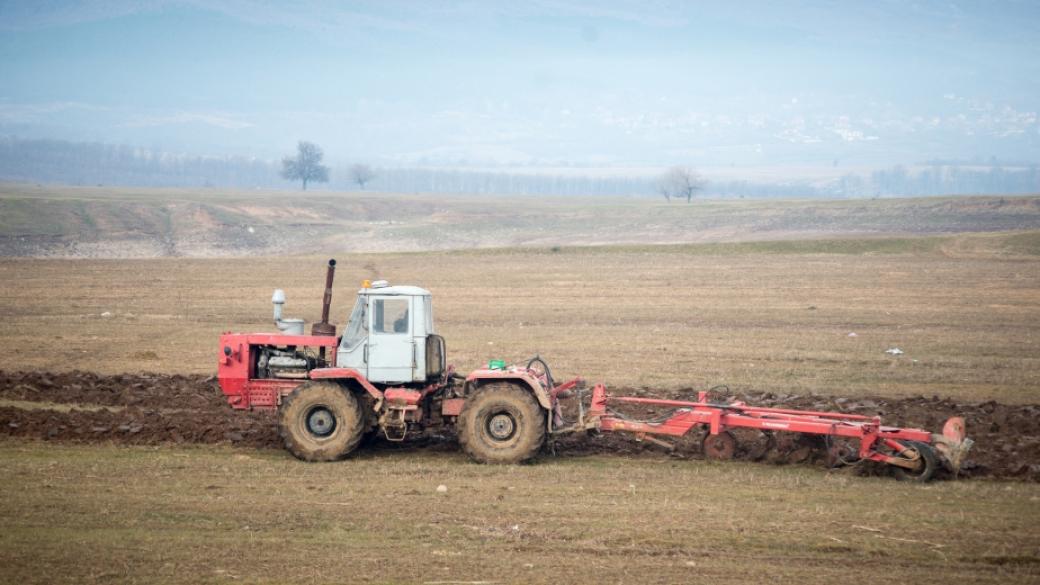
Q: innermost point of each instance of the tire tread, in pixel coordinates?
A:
(529, 446)
(353, 423)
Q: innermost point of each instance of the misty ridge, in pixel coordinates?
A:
(100, 164)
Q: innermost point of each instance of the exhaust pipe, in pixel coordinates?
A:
(323, 327)
(286, 326)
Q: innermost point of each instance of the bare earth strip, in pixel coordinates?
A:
(153, 409)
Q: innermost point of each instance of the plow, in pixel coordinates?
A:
(914, 454)
(387, 374)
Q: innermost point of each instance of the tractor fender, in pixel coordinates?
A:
(525, 379)
(348, 374)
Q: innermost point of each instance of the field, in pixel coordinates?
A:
(219, 515)
(114, 471)
(764, 316)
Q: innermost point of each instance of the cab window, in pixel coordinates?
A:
(390, 316)
(357, 326)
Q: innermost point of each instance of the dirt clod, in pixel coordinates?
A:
(138, 409)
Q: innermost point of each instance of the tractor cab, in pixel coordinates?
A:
(390, 337)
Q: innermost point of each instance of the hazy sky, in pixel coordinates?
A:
(531, 83)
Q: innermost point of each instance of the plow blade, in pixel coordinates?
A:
(953, 444)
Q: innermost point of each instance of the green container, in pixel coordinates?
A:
(497, 365)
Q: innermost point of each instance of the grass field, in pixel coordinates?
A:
(215, 515)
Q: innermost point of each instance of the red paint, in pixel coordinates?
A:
(723, 417)
(347, 374)
(452, 406)
(236, 367)
(402, 396)
(526, 377)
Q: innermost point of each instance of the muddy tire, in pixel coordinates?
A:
(502, 423)
(929, 464)
(321, 421)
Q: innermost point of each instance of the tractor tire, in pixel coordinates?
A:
(321, 421)
(501, 423)
(929, 464)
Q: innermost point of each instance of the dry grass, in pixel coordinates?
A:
(208, 515)
(766, 316)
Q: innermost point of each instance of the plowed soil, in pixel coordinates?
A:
(155, 409)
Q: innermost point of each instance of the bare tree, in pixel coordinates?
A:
(664, 189)
(361, 174)
(306, 165)
(680, 182)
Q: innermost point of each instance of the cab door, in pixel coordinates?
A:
(391, 350)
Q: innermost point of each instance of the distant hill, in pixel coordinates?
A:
(131, 223)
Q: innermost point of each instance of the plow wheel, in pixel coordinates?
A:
(753, 444)
(321, 421)
(926, 463)
(841, 452)
(501, 423)
(719, 447)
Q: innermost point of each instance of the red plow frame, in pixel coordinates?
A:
(916, 454)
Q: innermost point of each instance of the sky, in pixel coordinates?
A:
(536, 84)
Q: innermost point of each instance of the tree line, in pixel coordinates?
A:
(82, 163)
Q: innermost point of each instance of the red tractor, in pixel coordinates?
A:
(387, 374)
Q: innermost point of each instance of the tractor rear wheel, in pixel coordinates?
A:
(501, 423)
(321, 421)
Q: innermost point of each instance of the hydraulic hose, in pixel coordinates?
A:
(545, 367)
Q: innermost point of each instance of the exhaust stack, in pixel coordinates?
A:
(323, 327)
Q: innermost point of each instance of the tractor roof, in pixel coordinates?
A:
(395, 290)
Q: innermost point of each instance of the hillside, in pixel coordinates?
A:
(99, 222)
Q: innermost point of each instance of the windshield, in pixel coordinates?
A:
(357, 327)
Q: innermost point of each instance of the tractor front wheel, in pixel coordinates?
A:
(501, 423)
(321, 421)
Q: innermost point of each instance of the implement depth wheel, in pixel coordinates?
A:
(927, 463)
(501, 423)
(321, 421)
(719, 447)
